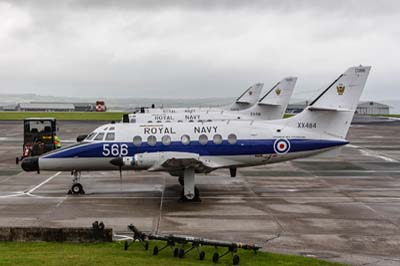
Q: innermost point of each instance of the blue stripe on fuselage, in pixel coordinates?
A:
(242, 147)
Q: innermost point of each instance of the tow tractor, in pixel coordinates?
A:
(39, 137)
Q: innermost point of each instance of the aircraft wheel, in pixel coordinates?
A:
(77, 189)
(196, 197)
(155, 250)
(176, 252)
(126, 245)
(16, 160)
(215, 258)
(181, 181)
(202, 255)
(235, 260)
(146, 246)
(181, 253)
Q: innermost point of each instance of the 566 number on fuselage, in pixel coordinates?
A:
(115, 150)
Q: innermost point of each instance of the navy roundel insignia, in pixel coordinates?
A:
(281, 146)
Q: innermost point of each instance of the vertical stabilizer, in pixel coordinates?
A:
(247, 99)
(274, 103)
(331, 113)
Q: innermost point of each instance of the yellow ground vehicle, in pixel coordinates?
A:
(39, 136)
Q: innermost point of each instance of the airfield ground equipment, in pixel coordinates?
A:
(194, 243)
(40, 136)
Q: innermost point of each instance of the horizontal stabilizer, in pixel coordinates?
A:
(312, 108)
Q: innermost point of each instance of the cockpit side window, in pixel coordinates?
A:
(90, 136)
(110, 136)
(99, 136)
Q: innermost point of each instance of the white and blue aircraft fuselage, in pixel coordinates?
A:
(184, 149)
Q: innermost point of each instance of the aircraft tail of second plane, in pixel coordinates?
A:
(274, 103)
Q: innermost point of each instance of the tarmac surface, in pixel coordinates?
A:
(345, 209)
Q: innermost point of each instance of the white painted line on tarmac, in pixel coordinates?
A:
(41, 184)
(370, 153)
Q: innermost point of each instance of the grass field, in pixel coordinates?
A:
(89, 116)
(392, 115)
(104, 254)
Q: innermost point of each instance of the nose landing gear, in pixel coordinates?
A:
(76, 187)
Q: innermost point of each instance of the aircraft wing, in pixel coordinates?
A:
(173, 161)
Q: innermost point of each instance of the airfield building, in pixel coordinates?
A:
(372, 108)
(55, 107)
(45, 107)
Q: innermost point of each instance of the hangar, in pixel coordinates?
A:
(46, 107)
(372, 108)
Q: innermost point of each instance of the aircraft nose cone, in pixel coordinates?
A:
(117, 162)
(30, 164)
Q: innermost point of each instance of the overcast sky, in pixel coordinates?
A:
(194, 48)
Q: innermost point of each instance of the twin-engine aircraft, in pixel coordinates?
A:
(270, 106)
(184, 149)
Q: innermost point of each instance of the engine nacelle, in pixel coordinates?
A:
(147, 160)
(151, 159)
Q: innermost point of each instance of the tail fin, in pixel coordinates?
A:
(330, 114)
(274, 103)
(248, 98)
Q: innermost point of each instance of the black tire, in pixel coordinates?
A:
(202, 255)
(126, 245)
(215, 258)
(77, 188)
(196, 194)
(232, 171)
(196, 197)
(155, 251)
(176, 252)
(16, 160)
(235, 260)
(181, 181)
(146, 246)
(181, 253)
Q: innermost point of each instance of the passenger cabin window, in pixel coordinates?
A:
(185, 139)
(217, 139)
(133, 120)
(110, 136)
(152, 140)
(112, 128)
(137, 141)
(232, 139)
(203, 139)
(166, 140)
(99, 136)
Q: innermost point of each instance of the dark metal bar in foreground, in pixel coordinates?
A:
(195, 242)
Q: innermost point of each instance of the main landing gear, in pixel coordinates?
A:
(190, 193)
(76, 187)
